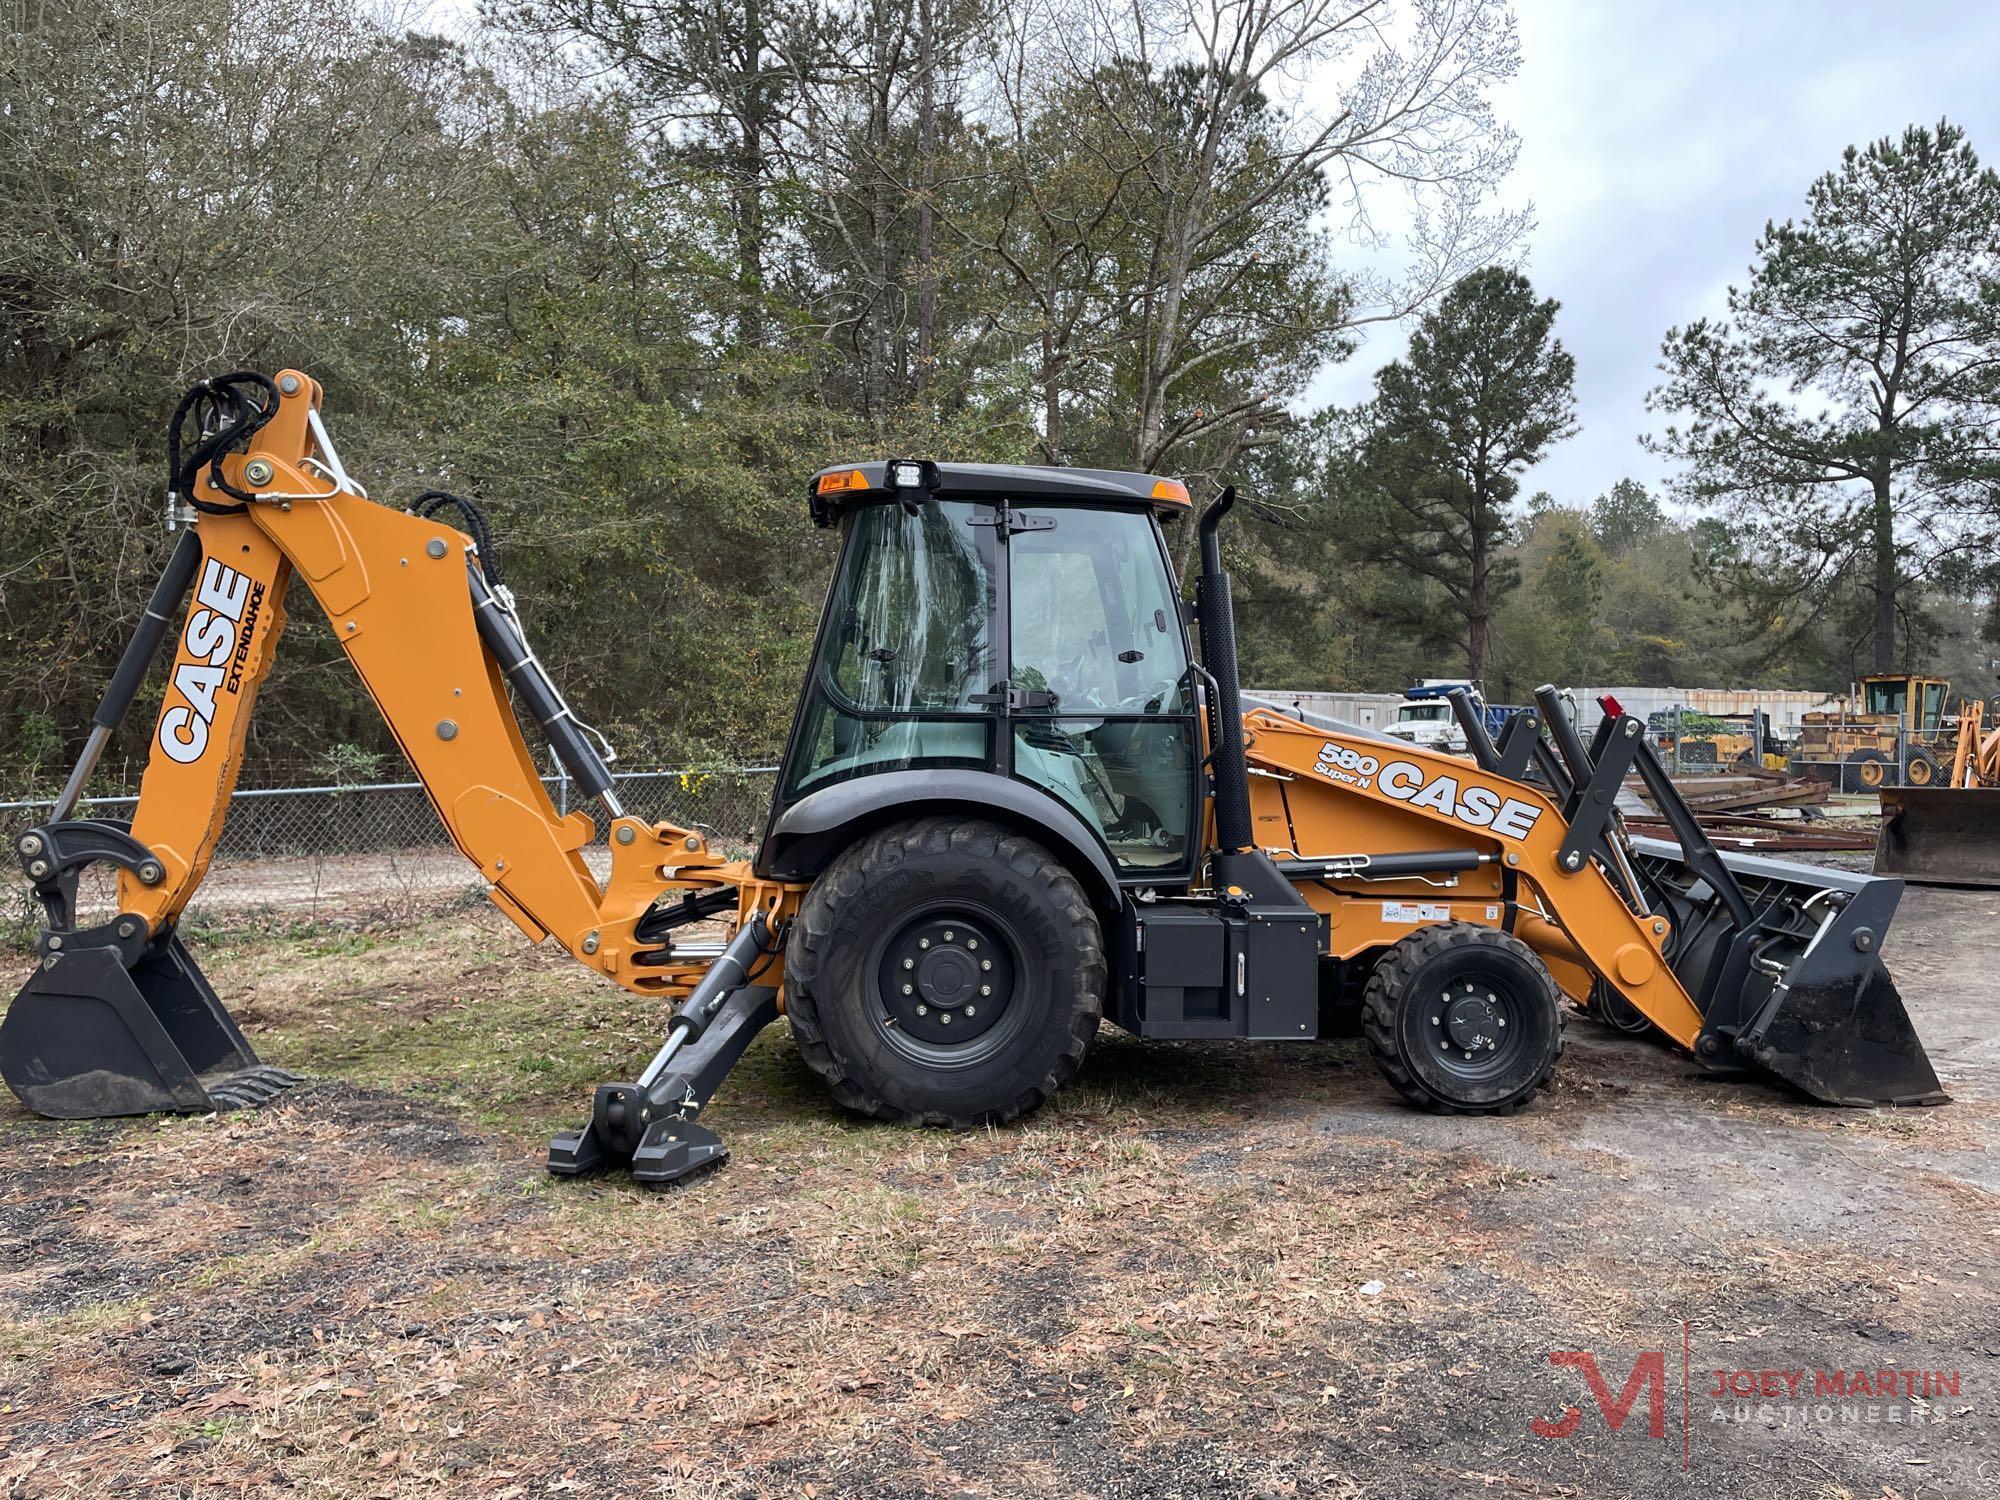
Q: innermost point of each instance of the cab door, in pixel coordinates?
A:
(1099, 710)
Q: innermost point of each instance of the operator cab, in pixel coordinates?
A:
(1019, 621)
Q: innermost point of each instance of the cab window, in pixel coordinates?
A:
(906, 649)
(1094, 619)
(1103, 719)
(1887, 697)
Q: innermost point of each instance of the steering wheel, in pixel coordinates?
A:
(1153, 700)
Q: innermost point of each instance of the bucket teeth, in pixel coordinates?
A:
(251, 1087)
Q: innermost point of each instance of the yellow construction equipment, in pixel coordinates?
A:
(1013, 804)
(1891, 734)
(1948, 833)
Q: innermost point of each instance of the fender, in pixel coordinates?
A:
(804, 838)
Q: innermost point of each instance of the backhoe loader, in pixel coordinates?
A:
(1013, 805)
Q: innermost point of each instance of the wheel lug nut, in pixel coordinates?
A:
(971, 1010)
(923, 942)
(908, 989)
(923, 1010)
(1503, 1020)
(909, 963)
(945, 1019)
(948, 934)
(986, 989)
(985, 963)
(1434, 1020)
(972, 943)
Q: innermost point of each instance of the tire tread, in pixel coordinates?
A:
(867, 860)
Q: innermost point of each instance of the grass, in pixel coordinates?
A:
(373, 1288)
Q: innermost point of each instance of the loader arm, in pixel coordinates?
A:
(1570, 912)
(1746, 963)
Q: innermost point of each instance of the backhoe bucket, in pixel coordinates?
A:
(102, 1029)
(1940, 835)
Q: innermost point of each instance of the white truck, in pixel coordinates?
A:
(1424, 717)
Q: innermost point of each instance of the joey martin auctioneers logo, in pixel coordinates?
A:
(1792, 1397)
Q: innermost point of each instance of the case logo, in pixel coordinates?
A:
(1405, 781)
(217, 641)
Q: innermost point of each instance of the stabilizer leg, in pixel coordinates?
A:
(650, 1124)
(652, 1128)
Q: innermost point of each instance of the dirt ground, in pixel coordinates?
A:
(1207, 1270)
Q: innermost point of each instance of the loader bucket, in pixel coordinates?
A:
(1940, 835)
(1801, 993)
(101, 1029)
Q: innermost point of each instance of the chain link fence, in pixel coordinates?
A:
(375, 851)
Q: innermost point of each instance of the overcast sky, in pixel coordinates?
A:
(1657, 139)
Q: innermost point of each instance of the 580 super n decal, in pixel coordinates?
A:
(217, 640)
(1405, 781)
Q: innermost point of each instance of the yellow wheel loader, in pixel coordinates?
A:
(1014, 804)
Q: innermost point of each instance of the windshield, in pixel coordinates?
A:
(1421, 713)
(1887, 697)
(908, 622)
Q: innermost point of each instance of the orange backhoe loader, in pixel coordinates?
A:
(1013, 804)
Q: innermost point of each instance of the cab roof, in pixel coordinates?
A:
(844, 485)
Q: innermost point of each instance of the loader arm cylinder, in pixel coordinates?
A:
(161, 609)
(1568, 742)
(1582, 766)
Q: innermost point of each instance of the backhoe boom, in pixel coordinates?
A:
(438, 645)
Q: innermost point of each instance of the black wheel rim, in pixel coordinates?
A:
(1472, 1029)
(949, 988)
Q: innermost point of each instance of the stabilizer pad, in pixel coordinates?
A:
(674, 1150)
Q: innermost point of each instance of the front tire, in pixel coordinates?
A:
(1867, 771)
(1464, 1019)
(945, 971)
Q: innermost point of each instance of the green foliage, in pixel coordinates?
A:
(1843, 415)
(1484, 391)
(1625, 517)
(347, 765)
(627, 274)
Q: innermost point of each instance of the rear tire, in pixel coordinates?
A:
(1922, 769)
(945, 971)
(1455, 989)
